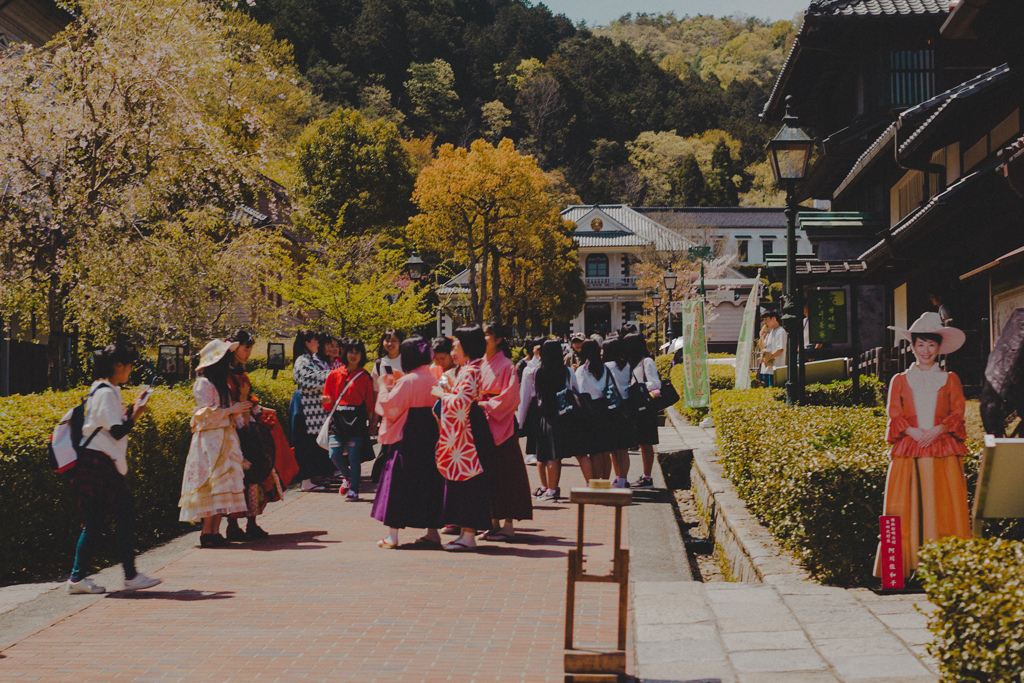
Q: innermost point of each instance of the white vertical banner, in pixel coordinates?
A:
(745, 345)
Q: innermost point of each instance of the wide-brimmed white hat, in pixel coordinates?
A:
(214, 351)
(931, 323)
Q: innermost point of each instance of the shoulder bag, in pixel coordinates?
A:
(323, 438)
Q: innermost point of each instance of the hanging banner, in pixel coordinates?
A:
(745, 345)
(697, 386)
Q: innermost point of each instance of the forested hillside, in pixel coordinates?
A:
(648, 110)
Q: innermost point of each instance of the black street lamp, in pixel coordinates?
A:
(790, 154)
(415, 266)
(656, 302)
(670, 284)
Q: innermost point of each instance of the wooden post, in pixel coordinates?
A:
(597, 665)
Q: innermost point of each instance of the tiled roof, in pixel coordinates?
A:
(681, 217)
(609, 239)
(645, 231)
(876, 8)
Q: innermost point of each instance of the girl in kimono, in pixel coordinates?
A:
(212, 484)
(507, 481)
(411, 489)
(925, 486)
(464, 442)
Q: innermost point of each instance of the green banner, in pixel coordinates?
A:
(745, 345)
(697, 386)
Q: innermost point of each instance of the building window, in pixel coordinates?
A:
(767, 247)
(911, 76)
(597, 265)
(742, 251)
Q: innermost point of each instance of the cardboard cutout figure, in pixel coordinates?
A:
(925, 486)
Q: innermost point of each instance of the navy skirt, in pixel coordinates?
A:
(411, 490)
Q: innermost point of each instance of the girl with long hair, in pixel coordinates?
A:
(411, 490)
(508, 483)
(389, 361)
(351, 388)
(464, 442)
(620, 424)
(646, 422)
(555, 438)
(307, 411)
(592, 378)
(212, 485)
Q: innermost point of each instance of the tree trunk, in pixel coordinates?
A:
(495, 285)
(56, 298)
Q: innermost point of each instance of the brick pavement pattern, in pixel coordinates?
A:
(319, 601)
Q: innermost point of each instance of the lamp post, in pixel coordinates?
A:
(415, 266)
(656, 301)
(670, 284)
(789, 154)
(701, 254)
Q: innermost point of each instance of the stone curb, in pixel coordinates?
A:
(752, 552)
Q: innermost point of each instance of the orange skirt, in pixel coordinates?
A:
(930, 497)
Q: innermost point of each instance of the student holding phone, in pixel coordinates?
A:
(101, 468)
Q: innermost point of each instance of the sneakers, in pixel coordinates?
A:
(620, 483)
(351, 496)
(531, 459)
(551, 494)
(141, 581)
(643, 483)
(345, 486)
(84, 587)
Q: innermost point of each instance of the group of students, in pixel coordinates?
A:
(580, 405)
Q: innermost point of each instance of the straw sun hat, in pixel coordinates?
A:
(214, 351)
(931, 323)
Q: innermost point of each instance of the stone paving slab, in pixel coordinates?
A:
(786, 630)
(319, 601)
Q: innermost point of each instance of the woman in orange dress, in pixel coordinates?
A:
(925, 486)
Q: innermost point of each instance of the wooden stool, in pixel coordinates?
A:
(597, 666)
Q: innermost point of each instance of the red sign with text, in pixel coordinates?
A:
(892, 551)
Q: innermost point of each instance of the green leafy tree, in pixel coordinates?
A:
(140, 114)
(351, 288)
(689, 187)
(496, 119)
(375, 103)
(354, 175)
(431, 90)
(722, 189)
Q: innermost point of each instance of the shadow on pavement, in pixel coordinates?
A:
(517, 552)
(187, 595)
(300, 540)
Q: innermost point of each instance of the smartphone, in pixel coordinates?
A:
(389, 370)
(147, 391)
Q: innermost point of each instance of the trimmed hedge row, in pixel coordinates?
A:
(720, 377)
(978, 588)
(814, 475)
(40, 508)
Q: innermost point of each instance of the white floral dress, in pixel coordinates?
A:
(212, 483)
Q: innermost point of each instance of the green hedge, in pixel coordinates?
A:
(720, 377)
(978, 589)
(40, 508)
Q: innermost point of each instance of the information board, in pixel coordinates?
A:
(827, 316)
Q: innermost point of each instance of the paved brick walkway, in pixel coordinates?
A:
(319, 601)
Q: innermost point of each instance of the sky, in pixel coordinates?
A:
(598, 12)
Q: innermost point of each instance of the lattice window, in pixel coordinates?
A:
(911, 76)
(597, 265)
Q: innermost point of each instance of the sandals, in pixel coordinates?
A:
(451, 530)
(541, 490)
(386, 544)
(457, 546)
(496, 536)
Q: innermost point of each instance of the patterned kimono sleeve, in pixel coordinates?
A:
(208, 413)
(308, 377)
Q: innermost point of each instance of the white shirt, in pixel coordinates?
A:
(925, 385)
(588, 383)
(103, 410)
(620, 378)
(647, 372)
(394, 363)
(774, 341)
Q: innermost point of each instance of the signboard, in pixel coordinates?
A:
(745, 345)
(170, 361)
(827, 316)
(1000, 490)
(892, 552)
(696, 384)
(275, 356)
